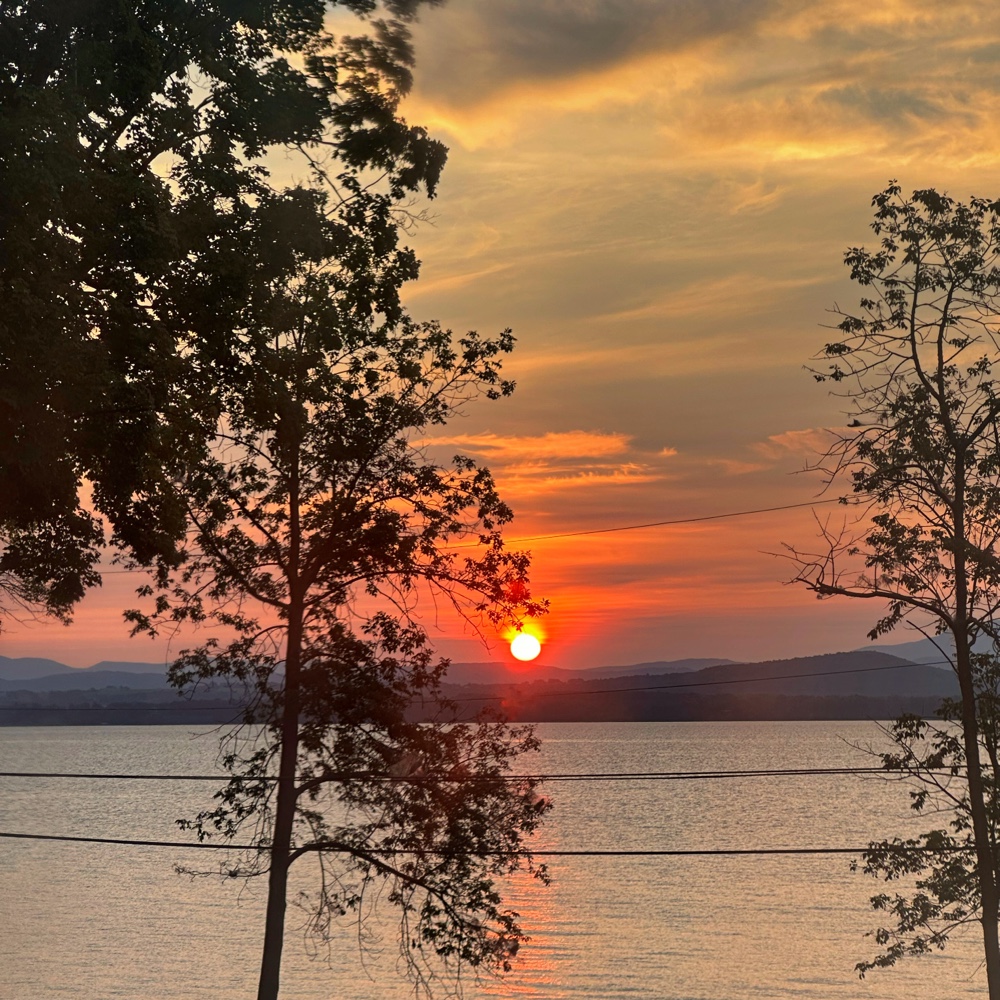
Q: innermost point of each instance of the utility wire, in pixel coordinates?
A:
(417, 779)
(120, 708)
(680, 520)
(622, 527)
(395, 851)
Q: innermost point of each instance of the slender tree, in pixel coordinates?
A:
(941, 864)
(315, 525)
(134, 193)
(916, 366)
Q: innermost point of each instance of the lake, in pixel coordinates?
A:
(102, 921)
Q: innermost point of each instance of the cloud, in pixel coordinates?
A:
(755, 81)
(533, 465)
(738, 294)
(471, 50)
(737, 467)
(538, 478)
(553, 445)
(810, 444)
(454, 282)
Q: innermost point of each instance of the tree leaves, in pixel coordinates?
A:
(136, 213)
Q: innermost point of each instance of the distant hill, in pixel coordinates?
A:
(50, 675)
(657, 667)
(860, 684)
(868, 672)
(936, 652)
(25, 667)
(492, 672)
(128, 667)
(29, 668)
(854, 685)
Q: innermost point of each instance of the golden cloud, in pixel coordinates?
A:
(553, 445)
(810, 443)
(732, 294)
(534, 479)
(527, 466)
(816, 81)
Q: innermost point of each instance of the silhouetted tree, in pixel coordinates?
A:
(137, 216)
(916, 365)
(315, 524)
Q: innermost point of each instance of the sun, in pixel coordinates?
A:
(525, 647)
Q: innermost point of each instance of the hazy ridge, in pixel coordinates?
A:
(868, 683)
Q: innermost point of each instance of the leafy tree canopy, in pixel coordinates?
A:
(138, 216)
(917, 363)
(316, 525)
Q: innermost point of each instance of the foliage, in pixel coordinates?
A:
(137, 214)
(922, 455)
(941, 864)
(317, 525)
(916, 367)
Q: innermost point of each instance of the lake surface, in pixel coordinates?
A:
(100, 921)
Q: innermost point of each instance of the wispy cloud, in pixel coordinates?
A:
(809, 444)
(565, 445)
(734, 293)
(481, 48)
(567, 460)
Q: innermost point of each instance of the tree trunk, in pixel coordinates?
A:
(985, 866)
(284, 820)
(287, 796)
(985, 869)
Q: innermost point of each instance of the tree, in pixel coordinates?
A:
(315, 524)
(133, 183)
(922, 454)
(942, 863)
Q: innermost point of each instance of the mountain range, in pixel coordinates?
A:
(34, 674)
(866, 683)
(128, 673)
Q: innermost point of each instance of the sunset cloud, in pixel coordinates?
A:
(817, 81)
(732, 293)
(569, 460)
(656, 196)
(810, 443)
(566, 445)
(550, 40)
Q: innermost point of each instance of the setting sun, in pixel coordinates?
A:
(525, 647)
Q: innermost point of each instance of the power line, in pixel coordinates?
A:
(120, 708)
(680, 520)
(416, 779)
(397, 851)
(606, 531)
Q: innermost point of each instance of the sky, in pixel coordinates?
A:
(656, 196)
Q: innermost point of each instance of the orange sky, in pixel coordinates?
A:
(656, 196)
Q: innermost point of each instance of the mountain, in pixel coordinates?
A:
(505, 673)
(31, 668)
(936, 651)
(870, 673)
(25, 667)
(129, 667)
(50, 675)
(861, 684)
(657, 667)
(852, 685)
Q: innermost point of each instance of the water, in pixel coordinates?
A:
(101, 921)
